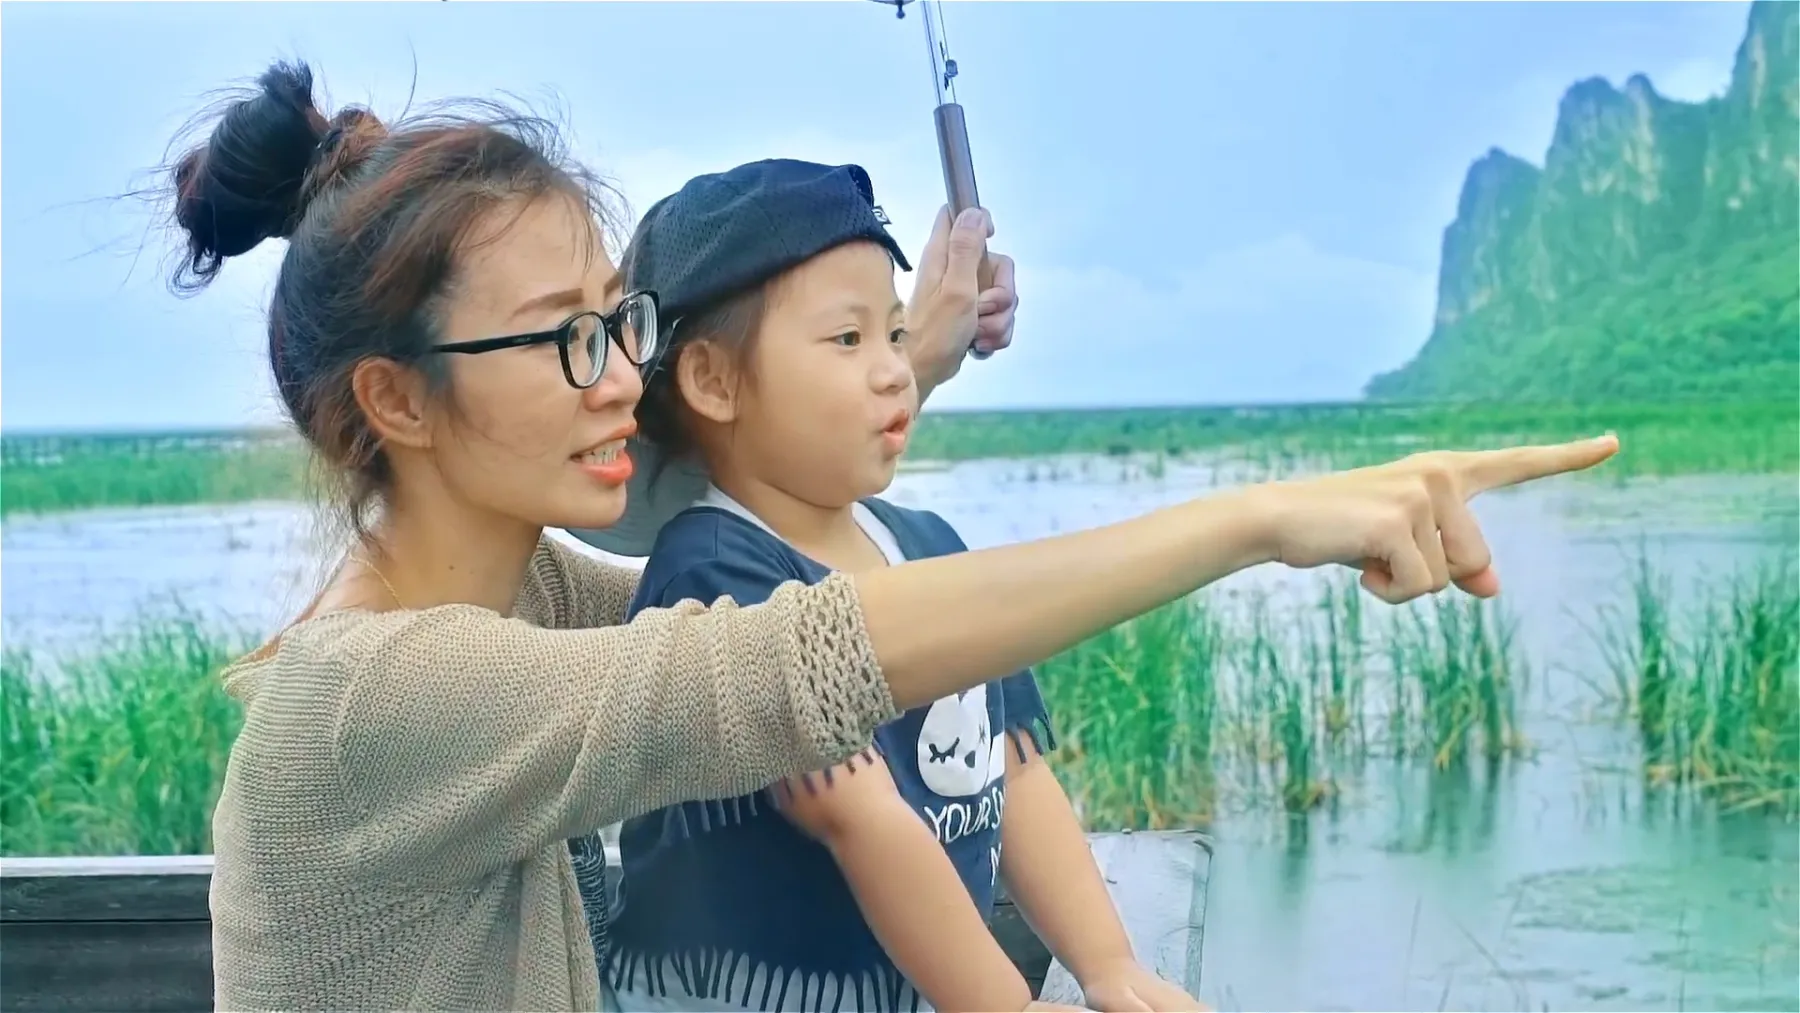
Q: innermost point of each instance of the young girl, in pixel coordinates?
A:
(865, 886)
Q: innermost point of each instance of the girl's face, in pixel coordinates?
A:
(513, 438)
(825, 401)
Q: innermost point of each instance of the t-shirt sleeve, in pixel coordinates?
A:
(1027, 716)
(716, 558)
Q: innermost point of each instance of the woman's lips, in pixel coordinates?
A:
(609, 463)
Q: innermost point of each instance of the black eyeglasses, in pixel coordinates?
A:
(585, 337)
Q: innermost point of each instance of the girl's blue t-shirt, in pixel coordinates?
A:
(727, 901)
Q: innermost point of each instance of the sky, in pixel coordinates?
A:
(1208, 202)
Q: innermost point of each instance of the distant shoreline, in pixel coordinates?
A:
(64, 472)
(1247, 408)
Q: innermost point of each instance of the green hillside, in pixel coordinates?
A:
(1655, 255)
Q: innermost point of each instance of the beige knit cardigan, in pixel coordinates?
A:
(392, 831)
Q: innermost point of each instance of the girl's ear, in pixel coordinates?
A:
(707, 379)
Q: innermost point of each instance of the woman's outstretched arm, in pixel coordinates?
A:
(944, 624)
(474, 739)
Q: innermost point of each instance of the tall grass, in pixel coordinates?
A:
(1160, 720)
(1164, 716)
(1300, 704)
(1456, 680)
(1135, 709)
(50, 474)
(119, 752)
(1280, 711)
(1338, 656)
(1715, 692)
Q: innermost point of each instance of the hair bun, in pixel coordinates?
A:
(250, 180)
(349, 138)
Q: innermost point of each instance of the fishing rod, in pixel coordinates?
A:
(952, 128)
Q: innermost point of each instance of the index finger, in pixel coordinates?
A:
(1495, 469)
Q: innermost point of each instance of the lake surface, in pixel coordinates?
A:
(1555, 882)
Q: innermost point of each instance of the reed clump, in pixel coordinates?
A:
(1135, 709)
(1713, 689)
(119, 752)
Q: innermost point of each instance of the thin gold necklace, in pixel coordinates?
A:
(364, 560)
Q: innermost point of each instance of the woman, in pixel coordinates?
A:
(449, 333)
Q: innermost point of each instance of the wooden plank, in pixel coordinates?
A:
(133, 933)
(106, 865)
(1019, 941)
(1158, 880)
(125, 888)
(147, 966)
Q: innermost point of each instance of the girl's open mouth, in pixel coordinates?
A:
(894, 434)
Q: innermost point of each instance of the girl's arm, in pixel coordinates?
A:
(1050, 873)
(1049, 870)
(907, 889)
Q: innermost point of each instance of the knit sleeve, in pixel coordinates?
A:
(581, 592)
(468, 741)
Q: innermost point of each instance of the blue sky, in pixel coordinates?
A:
(1233, 202)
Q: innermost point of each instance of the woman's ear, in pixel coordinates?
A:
(393, 399)
(706, 376)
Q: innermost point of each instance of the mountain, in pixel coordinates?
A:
(1655, 255)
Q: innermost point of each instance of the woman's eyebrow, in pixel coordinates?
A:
(568, 297)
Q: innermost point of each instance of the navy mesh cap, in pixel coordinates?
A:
(715, 237)
(726, 232)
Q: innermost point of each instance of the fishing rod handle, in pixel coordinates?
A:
(959, 183)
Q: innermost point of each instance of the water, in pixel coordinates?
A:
(1551, 885)
(1555, 882)
(70, 579)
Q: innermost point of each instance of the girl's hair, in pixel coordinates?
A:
(375, 216)
(730, 324)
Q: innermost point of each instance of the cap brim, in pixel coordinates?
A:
(659, 489)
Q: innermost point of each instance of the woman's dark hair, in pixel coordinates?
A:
(374, 216)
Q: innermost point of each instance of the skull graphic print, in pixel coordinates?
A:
(959, 754)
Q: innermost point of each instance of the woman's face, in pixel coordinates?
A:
(512, 437)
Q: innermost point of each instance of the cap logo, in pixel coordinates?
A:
(882, 216)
